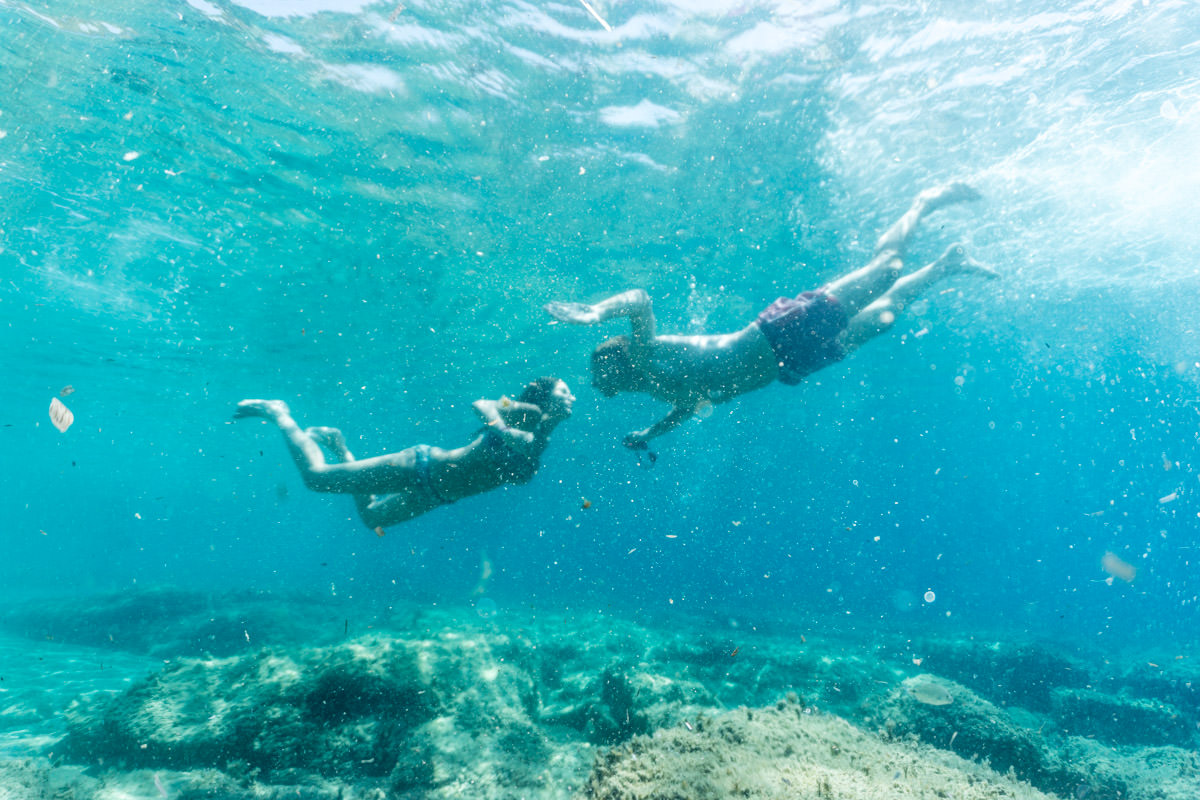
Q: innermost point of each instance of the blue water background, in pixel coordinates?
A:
(360, 208)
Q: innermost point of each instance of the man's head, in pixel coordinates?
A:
(551, 395)
(612, 367)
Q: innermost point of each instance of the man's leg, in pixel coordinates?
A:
(862, 287)
(879, 315)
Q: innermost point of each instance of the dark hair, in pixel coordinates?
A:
(538, 392)
(611, 358)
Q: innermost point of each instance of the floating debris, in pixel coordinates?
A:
(1117, 568)
(66, 390)
(60, 415)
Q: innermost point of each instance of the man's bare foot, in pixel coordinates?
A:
(267, 409)
(955, 261)
(945, 195)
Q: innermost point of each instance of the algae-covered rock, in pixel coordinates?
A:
(970, 725)
(626, 700)
(1007, 673)
(329, 710)
(451, 713)
(787, 751)
(1121, 720)
(961, 721)
(444, 707)
(1170, 680)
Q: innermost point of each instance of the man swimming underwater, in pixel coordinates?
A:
(789, 340)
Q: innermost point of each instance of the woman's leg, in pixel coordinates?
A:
(864, 286)
(386, 489)
(384, 474)
(375, 511)
(881, 314)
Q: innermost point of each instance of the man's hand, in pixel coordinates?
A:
(574, 313)
(637, 441)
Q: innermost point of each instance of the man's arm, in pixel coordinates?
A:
(634, 304)
(639, 440)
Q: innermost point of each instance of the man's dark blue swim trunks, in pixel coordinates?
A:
(803, 332)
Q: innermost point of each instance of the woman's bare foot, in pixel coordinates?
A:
(330, 437)
(332, 440)
(955, 261)
(266, 409)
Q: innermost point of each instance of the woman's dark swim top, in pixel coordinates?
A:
(516, 467)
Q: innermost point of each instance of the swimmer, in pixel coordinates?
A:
(397, 487)
(791, 339)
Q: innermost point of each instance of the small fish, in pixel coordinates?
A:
(66, 390)
(735, 652)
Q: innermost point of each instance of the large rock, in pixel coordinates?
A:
(397, 713)
(950, 716)
(1121, 720)
(1007, 673)
(789, 751)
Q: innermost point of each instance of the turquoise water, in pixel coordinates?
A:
(360, 208)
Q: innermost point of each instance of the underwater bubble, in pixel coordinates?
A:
(930, 596)
(486, 607)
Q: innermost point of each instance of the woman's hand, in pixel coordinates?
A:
(517, 440)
